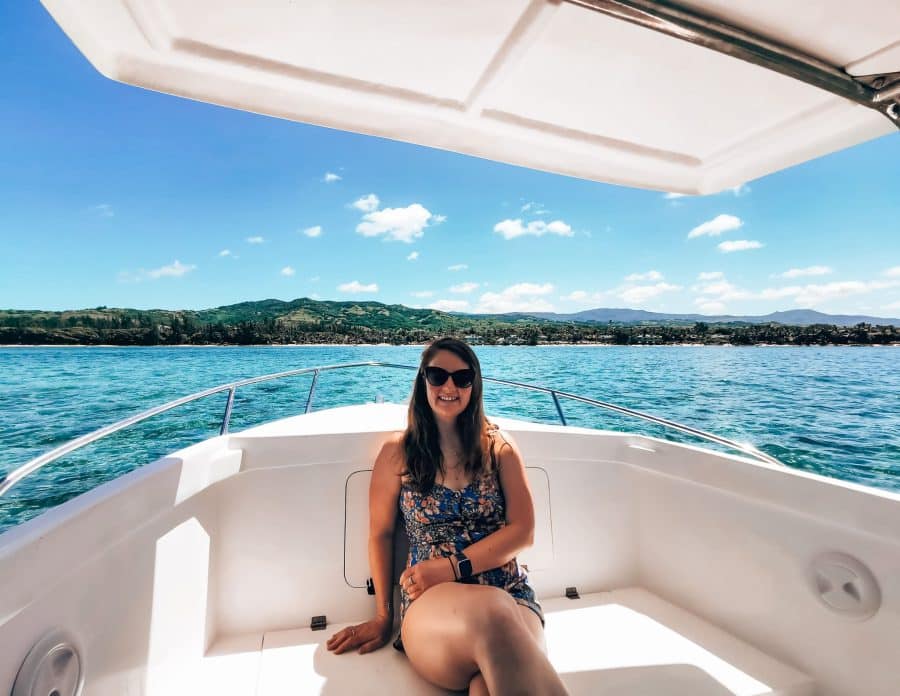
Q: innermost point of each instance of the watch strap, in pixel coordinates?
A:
(463, 566)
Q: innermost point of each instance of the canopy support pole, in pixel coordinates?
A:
(672, 20)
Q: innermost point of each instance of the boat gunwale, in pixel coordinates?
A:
(18, 474)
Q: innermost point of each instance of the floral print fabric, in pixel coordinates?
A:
(443, 522)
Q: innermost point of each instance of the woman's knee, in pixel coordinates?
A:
(495, 616)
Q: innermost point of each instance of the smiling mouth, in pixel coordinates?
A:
(448, 398)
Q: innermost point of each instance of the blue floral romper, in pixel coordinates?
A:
(443, 522)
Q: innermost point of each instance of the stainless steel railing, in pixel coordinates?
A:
(30, 467)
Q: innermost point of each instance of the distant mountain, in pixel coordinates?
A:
(792, 317)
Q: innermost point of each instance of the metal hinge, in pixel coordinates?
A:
(370, 586)
(572, 593)
(318, 623)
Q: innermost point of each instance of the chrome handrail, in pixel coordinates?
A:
(33, 465)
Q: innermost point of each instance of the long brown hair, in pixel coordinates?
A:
(421, 441)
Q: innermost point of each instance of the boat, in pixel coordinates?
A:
(664, 568)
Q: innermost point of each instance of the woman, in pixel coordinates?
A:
(469, 619)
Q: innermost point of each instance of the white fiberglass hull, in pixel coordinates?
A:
(200, 572)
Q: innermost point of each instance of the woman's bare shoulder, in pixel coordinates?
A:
(504, 444)
(500, 436)
(391, 453)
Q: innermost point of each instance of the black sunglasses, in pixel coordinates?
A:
(436, 376)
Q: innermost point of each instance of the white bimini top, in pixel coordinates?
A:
(632, 92)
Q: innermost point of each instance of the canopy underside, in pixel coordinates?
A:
(544, 84)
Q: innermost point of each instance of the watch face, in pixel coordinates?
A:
(465, 567)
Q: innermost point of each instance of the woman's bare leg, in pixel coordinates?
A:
(453, 632)
(477, 687)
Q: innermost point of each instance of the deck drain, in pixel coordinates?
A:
(53, 667)
(844, 585)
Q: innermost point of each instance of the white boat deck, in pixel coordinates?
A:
(626, 642)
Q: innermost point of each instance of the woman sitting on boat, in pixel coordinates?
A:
(469, 619)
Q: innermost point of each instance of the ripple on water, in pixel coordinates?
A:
(831, 411)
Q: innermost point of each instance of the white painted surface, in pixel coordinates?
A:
(623, 643)
(244, 536)
(542, 84)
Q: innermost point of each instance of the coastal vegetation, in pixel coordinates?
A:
(312, 321)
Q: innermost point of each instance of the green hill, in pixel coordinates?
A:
(312, 321)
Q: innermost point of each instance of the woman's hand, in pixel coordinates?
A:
(418, 578)
(367, 636)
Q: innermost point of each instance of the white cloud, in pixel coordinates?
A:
(716, 291)
(534, 208)
(413, 256)
(288, 271)
(740, 190)
(422, 293)
(438, 219)
(521, 297)
(367, 204)
(892, 272)
(724, 289)
(313, 231)
(710, 306)
(225, 252)
(397, 224)
(463, 288)
(174, 270)
(255, 240)
(672, 196)
(315, 279)
(636, 294)
(458, 267)
(330, 177)
(649, 275)
(721, 291)
(892, 305)
(103, 210)
(716, 226)
(808, 271)
(449, 305)
(356, 287)
(510, 229)
(739, 245)
(815, 294)
(575, 296)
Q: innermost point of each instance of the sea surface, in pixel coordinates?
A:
(833, 410)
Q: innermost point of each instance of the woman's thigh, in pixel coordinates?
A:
(535, 627)
(438, 630)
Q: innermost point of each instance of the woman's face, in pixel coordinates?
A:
(447, 401)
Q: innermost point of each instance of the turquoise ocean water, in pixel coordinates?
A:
(834, 410)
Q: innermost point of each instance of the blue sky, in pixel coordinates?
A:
(113, 195)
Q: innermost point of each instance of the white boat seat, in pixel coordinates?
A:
(627, 642)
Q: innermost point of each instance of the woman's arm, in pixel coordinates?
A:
(384, 490)
(518, 534)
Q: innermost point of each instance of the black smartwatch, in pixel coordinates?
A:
(464, 565)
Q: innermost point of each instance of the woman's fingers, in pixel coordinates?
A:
(343, 640)
(373, 644)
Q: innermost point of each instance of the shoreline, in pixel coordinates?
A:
(584, 344)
